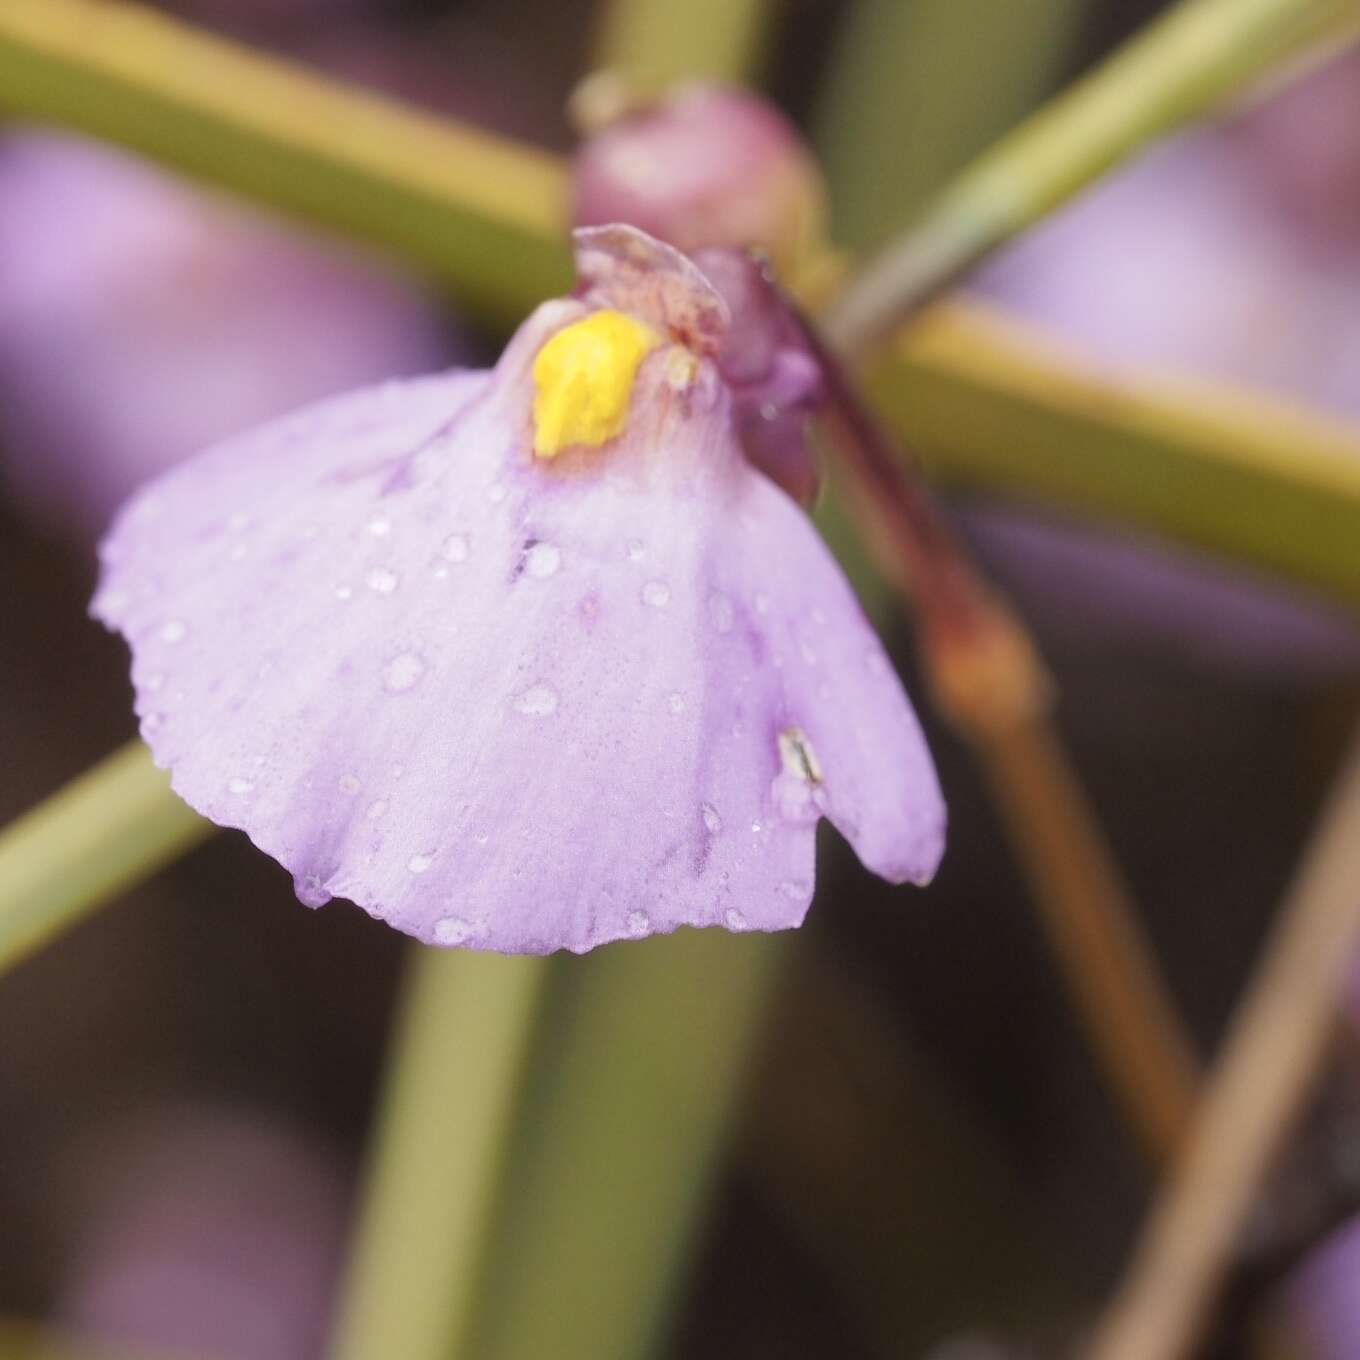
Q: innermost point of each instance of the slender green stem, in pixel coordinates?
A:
(1254, 1094)
(655, 43)
(617, 1142)
(481, 215)
(1175, 70)
(114, 826)
(924, 87)
(445, 1126)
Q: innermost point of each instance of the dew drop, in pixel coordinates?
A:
(542, 561)
(795, 889)
(381, 580)
(380, 526)
(377, 810)
(343, 592)
(637, 550)
(721, 612)
(455, 548)
(154, 682)
(349, 784)
(153, 722)
(735, 920)
(310, 892)
(538, 702)
(452, 930)
(417, 864)
(711, 819)
(403, 672)
(174, 631)
(677, 703)
(657, 594)
(482, 838)
(239, 785)
(638, 923)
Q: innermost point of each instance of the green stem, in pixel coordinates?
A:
(937, 81)
(1175, 70)
(482, 216)
(432, 1187)
(656, 43)
(617, 1143)
(114, 826)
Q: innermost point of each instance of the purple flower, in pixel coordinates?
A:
(528, 659)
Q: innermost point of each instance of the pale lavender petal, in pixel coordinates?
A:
(509, 706)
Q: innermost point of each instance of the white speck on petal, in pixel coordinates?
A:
(795, 889)
(452, 930)
(152, 723)
(538, 702)
(377, 810)
(495, 493)
(638, 923)
(381, 580)
(711, 819)
(762, 603)
(657, 594)
(637, 550)
(721, 612)
(380, 526)
(542, 561)
(174, 631)
(343, 592)
(735, 920)
(455, 548)
(349, 784)
(417, 864)
(239, 785)
(677, 703)
(403, 672)
(154, 682)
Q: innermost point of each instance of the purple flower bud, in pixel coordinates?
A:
(525, 659)
(706, 167)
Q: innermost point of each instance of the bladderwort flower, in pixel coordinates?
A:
(525, 659)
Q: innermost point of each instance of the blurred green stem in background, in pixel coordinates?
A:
(445, 1122)
(113, 827)
(921, 87)
(657, 43)
(480, 215)
(1178, 68)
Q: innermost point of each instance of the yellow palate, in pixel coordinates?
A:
(584, 380)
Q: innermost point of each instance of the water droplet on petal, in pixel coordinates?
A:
(380, 526)
(239, 785)
(343, 592)
(795, 889)
(155, 681)
(376, 810)
(310, 891)
(542, 561)
(711, 819)
(657, 594)
(381, 580)
(455, 548)
(349, 784)
(638, 923)
(403, 672)
(452, 930)
(735, 920)
(153, 722)
(176, 630)
(417, 864)
(637, 550)
(677, 703)
(538, 701)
